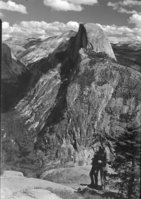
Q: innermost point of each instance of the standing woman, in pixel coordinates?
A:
(94, 168)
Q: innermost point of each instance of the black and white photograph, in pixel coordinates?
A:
(70, 99)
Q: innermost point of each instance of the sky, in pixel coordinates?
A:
(120, 19)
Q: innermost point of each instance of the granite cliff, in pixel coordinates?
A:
(77, 90)
(14, 78)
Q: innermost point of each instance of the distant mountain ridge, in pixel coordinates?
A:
(128, 52)
(131, 44)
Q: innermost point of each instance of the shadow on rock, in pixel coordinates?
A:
(88, 190)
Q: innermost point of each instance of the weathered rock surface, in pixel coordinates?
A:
(72, 176)
(12, 174)
(28, 194)
(64, 180)
(18, 187)
(76, 92)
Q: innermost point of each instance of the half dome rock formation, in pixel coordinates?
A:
(98, 40)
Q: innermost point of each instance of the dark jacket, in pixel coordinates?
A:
(99, 159)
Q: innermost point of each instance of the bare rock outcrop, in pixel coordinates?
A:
(12, 174)
(15, 186)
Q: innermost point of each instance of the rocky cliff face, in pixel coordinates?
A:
(11, 67)
(14, 80)
(76, 91)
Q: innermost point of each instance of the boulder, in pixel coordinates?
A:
(12, 174)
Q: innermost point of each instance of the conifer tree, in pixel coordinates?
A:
(127, 162)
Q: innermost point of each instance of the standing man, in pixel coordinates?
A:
(99, 161)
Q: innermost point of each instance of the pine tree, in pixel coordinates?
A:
(127, 162)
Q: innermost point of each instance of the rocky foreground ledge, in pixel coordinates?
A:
(60, 183)
(15, 186)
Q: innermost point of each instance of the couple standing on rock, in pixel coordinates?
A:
(100, 162)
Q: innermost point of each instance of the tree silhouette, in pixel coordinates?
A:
(127, 162)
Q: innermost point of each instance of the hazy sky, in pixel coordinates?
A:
(121, 20)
